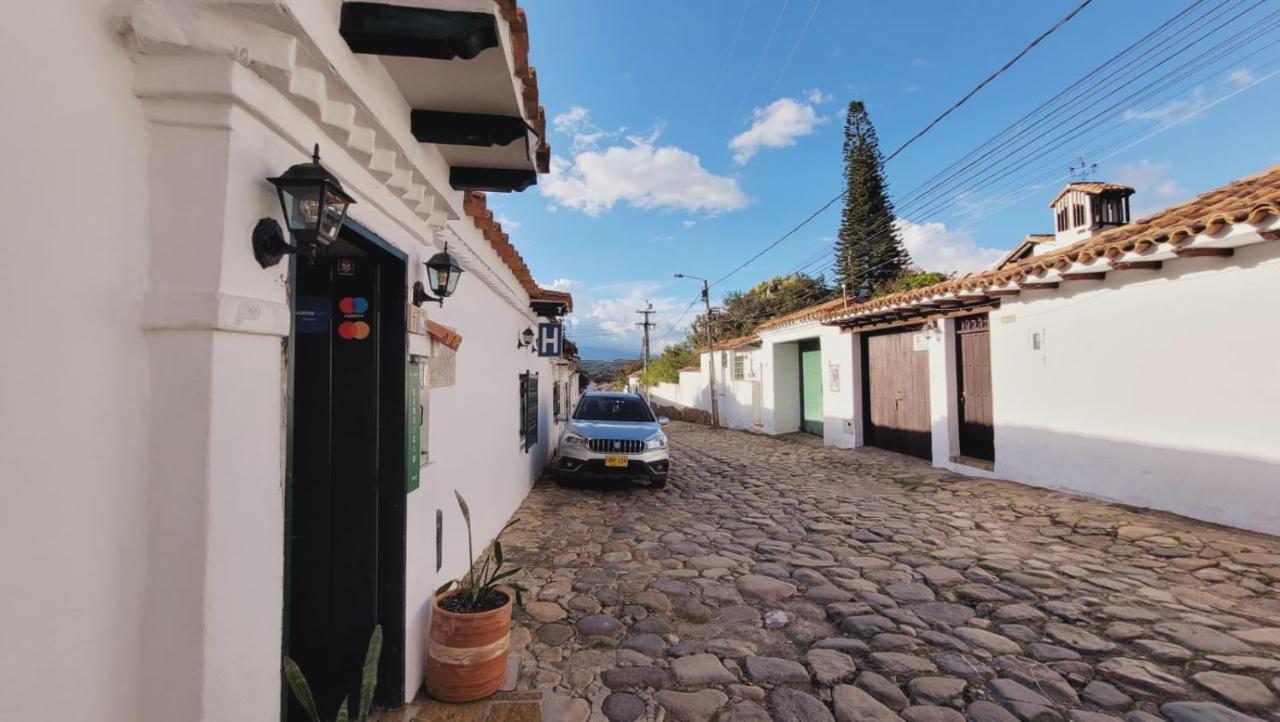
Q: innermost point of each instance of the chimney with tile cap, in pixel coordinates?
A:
(1084, 209)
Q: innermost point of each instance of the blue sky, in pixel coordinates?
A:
(689, 135)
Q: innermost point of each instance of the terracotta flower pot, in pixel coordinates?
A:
(467, 653)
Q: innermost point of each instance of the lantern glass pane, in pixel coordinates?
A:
(439, 278)
(303, 204)
(453, 281)
(331, 219)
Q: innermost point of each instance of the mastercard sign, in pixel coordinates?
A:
(353, 330)
(353, 304)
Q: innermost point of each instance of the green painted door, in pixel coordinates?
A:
(811, 387)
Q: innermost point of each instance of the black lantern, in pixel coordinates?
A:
(526, 338)
(314, 206)
(442, 275)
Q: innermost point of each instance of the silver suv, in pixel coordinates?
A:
(614, 435)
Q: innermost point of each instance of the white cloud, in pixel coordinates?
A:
(508, 224)
(778, 125)
(607, 315)
(571, 120)
(641, 174)
(1242, 76)
(934, 247)
(688, 224)
(1175, 110)
(564, 284)
(1153, 183)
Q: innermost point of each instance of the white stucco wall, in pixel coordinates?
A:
(144, 402)
(73, 368)
(780, 369)
(1162, 393)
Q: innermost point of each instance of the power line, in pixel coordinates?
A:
(768, 44)
(919, 195)
(1040, 38)
(794, 48)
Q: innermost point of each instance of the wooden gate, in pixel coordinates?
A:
(973, 381)
(895, 384)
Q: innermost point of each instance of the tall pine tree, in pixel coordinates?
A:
(869, 253)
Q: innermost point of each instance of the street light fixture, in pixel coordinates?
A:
(711, 347)
(314, 206)
(442, 274)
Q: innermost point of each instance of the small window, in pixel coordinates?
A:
(555, 400)
(739, 366)
(528, 409)
(1077, 215)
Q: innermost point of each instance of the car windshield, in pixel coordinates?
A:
(612, 408)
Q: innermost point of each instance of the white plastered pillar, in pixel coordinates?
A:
(215, 325)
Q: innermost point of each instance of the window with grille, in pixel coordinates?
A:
(739, 366)
(528, 409)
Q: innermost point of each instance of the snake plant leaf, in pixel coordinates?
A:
(497, 552)
(446, 587)
(462, 503)
(369, 679)
(343, 714)
(301, 690)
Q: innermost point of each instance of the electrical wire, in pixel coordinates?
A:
(1040, 38)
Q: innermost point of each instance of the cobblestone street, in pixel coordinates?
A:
(773, 580)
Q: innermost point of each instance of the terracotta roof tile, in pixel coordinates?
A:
(732, 343)
(1247, 200)
(809, 313)
(475, 205)
(446, 335)
(1091, 188)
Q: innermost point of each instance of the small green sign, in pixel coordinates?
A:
(412, 428)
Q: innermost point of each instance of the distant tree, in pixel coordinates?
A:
(667, 365)
(744, 310)
(869, 252)
(909, 280)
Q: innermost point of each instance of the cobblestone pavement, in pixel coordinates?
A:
(771, 580)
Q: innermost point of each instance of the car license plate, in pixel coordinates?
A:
(615, 460)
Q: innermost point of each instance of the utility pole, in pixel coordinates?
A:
(646, 325)
(711, 348)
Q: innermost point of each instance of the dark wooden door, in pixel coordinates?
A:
(895, 380)
(973, 381)
(346, 495)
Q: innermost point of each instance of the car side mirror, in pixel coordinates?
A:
(662, 420)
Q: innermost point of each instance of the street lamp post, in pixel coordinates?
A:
(711, 348)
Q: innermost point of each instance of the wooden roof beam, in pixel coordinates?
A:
(1204, 252)
(1136, 265)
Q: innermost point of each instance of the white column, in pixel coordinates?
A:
(215, 325)
(942, 392)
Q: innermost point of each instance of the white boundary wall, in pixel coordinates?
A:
(144, 388)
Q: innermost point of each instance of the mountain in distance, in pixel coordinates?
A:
(602, 370)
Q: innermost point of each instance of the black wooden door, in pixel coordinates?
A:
(895, 380)
(973, 381)
(346, 471)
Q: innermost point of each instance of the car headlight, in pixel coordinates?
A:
(656, 442)
(574, 440)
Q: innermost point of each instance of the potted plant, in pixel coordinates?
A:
(470, 631)
(368, 680)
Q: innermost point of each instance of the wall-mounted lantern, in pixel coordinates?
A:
(526, 338)
(443, 272)
(314, 206)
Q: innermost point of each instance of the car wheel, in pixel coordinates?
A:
(658, 482)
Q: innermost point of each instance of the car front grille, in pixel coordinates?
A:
(616, 446)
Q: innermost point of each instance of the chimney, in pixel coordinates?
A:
(1084, 209)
